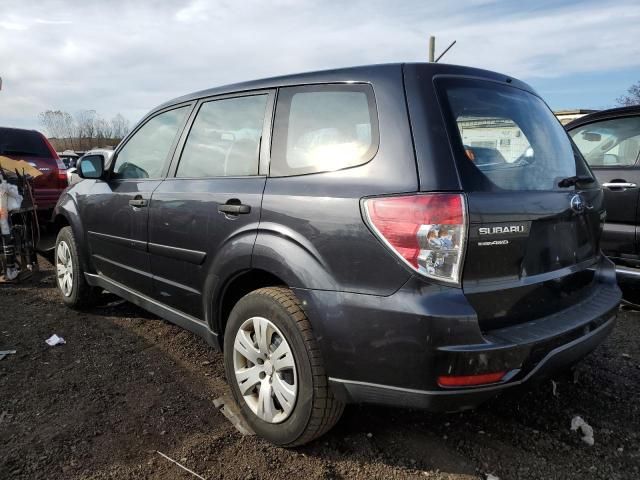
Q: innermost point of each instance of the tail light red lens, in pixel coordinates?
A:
(428, 232)
(470, 380)
(63, 181)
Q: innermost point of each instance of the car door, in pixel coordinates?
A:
(204, 216)
(611, 146)
(115, 211)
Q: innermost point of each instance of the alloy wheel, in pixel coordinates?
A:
(64, 268)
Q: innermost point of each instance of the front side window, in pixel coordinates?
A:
(609, 143)
(225, 138)
(145, 154)
(321, 128)
(506, 138)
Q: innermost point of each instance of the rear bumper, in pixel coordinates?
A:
(391, 350)
(463, 399)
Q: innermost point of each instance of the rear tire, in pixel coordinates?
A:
(74, 289)
(285, 395)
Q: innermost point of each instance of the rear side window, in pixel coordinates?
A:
(225, 138)
(145, 153)
(322, 128)
(506, 138)
(23, 142)
(609, 143)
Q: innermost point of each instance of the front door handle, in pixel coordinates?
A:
(621, 185)
(138, 202)
(234, 208)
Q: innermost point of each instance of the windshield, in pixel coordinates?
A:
(506, 138)
(22, 143)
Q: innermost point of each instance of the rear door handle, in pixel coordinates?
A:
(619, 185)
(138, 202)
(234, 209)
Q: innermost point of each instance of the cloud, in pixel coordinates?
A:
(128, 57)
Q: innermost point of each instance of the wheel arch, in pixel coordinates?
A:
(66, 214)
(233, 290)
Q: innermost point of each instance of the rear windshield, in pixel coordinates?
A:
(22, 142)
(506, 138)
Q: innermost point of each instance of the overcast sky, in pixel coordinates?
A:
(124, 56)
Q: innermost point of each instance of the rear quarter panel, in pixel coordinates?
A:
(312, 234)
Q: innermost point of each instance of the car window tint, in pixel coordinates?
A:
(609, 143)
(320, 128)
(225, 138)
(145, 153)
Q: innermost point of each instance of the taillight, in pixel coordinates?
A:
(63, 180)
(427, 231)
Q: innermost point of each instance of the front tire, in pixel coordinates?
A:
(275, 370)
(74, 289)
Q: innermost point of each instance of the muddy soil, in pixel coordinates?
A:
(127, 385)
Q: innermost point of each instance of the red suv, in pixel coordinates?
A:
(33, 147)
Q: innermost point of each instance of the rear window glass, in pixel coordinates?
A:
(506, 138)
(609, 143)
(23, 143)
(321, 128)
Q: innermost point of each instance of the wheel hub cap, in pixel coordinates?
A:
(265, 370)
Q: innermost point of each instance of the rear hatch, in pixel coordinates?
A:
(534, 211)
(33, 148)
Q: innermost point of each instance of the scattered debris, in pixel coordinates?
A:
(554, 388)
(4, 353)
(5, 416)
(54, 340)
(229, 408)
(626, 355)
(491, 476)
(181, 466)
(587, 431)
(369, 435)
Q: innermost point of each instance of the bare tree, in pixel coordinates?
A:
(85, 130)
(632, 97)
(119, 126)
(85, 119)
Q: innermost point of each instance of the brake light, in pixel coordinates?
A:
(470, 380)
(63, 180)
(427, 231)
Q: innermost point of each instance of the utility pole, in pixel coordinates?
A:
(432, 49)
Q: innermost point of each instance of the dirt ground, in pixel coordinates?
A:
(127, 385)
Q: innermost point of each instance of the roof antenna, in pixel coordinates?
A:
(432, 49)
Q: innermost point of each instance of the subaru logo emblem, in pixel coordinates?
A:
(577, 204)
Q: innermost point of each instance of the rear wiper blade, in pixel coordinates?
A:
(571, 181)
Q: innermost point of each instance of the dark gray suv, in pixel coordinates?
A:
(419, 235)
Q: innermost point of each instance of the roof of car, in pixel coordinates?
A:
(604, 115)
(355, 74)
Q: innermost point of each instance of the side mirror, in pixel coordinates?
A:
(91, 166)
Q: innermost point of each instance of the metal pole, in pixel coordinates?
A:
(432, 48)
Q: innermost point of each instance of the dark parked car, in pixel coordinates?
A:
(34, 148)
(610, 143)
(332, 234)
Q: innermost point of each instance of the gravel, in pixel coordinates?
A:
(127, 385)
